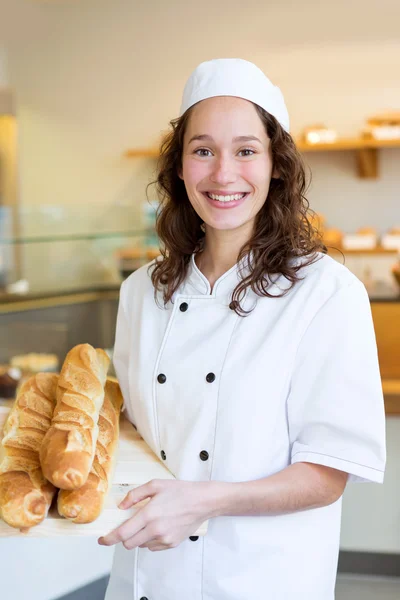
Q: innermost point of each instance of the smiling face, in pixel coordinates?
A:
(226, 163)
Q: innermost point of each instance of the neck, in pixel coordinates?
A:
(220, 252)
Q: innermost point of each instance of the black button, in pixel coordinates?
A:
(184, 306)
(210, 377)
(161, 378)
(163, 455)
(204, 455)
(143, 598)
(233, 304)
(194, 538)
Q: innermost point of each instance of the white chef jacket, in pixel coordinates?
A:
(242, 398)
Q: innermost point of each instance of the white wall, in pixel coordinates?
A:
(93, 78)
(3, 68)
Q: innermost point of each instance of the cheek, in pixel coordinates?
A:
(193, 171)
(257, 173)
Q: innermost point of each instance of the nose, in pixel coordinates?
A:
(223, 170)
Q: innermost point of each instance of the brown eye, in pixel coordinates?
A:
(248, 151)
(200, 152)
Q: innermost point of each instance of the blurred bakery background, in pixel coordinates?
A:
(86, 90)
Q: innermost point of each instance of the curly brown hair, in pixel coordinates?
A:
(282, 230)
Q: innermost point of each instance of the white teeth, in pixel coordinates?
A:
(226, 198)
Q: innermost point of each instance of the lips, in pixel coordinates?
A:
(225, 200)
(226, 197)
(225, 193)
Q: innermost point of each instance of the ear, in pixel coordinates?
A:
(180, 171)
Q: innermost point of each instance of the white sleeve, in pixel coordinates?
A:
(121, 352)
(335, 405)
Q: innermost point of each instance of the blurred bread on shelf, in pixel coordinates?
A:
(391, 239)
(333, 237)
(35, 362)
(396, 272)
(384, 126)
(386, 118)
(152, 252)
(318, 134)
(131, 259)
(367, 231)
(18, 287)
(365, 238)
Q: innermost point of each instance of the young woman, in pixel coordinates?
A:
(248, 363)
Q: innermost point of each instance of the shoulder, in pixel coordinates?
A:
(326, 294)
(326, 270)
(323, 279)
(139, 283)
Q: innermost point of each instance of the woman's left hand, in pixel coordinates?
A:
(174, 512)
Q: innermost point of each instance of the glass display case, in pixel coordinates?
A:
(63, 248)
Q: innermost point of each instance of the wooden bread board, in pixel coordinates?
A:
(136, 464)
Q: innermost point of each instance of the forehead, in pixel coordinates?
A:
(225, 113)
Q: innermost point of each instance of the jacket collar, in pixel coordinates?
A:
(197, 283)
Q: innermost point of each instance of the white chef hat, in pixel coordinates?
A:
(234, 77)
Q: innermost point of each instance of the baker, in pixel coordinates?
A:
(248, 363)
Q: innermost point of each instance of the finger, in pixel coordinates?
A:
(125, 531)
(142, 538)
(154, 548)
(137, 495)
(156, 545)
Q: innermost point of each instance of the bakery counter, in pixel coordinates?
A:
(17, 302)
(53, 323)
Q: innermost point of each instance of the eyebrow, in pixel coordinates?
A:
(239, 138)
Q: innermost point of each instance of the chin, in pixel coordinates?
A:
(224, 226)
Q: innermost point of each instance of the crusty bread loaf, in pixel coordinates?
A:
(67, 450)
(25, 495)
(85, 504)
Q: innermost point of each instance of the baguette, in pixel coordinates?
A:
(25, 495)
(85, 504)
(68, 448)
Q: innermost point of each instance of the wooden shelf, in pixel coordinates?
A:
(369, 251)
(348, 144)
(366, 152)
